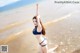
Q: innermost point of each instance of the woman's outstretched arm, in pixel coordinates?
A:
(38, 19)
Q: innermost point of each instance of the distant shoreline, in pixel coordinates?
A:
(17, 5)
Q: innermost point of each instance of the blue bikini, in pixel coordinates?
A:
(35, 31)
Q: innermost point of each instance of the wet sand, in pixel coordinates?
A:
(61, 21)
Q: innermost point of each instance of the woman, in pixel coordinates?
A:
(39, 33)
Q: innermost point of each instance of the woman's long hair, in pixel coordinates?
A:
(43, 29)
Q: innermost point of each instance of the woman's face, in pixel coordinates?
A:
(35, 22)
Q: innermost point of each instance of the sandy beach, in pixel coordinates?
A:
(62, 23)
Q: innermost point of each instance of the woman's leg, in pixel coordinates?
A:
(40, 49)
(45, 49)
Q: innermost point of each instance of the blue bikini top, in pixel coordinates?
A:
(35, 31)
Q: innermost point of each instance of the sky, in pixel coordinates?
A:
(11, 4)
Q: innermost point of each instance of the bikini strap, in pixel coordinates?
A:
(42, 41)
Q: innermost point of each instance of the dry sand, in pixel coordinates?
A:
(62, 23)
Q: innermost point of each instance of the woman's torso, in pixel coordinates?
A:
(38, 35)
